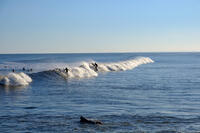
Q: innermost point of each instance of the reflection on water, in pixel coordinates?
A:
(11, 95)
(12, 90)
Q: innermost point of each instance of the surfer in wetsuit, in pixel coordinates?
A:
(66, 70)
(95, 66)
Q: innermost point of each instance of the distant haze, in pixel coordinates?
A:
(84, 26)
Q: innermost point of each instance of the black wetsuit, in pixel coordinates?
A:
(66, 70)
(95, 67)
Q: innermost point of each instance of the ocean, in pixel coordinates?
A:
(129, 92)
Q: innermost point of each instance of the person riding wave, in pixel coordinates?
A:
(95, 66)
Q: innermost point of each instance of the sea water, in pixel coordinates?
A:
(130, 92)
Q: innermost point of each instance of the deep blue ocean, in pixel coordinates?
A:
(163, 96)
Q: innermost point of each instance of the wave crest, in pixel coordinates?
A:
(124, 65)
(87, 69)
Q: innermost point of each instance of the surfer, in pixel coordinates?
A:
(66, 70)
(13, 70)
(28, 70)
(95, 66)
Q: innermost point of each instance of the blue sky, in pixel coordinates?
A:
(79, 26)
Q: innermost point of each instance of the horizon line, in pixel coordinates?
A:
(104, 52)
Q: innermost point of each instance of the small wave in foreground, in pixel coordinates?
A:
(15, 79)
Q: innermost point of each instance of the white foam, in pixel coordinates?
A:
(15, 79)
(83, 71)
(87, 70)
(124, 65)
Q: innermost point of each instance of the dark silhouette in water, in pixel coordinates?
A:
(30, 70)
(95, 66)
(13, 70)
(88, 121)
(66, 70)
(31, 107)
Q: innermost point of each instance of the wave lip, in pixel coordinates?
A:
(15, 79)
(124, 65)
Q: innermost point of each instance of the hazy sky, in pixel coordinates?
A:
(62, 26)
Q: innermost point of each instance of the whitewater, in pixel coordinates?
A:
(85, 70)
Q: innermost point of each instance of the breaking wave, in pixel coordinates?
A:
(87, 69)
(15, 79)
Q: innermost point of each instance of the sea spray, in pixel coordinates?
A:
(124, 65)
(83, 71)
